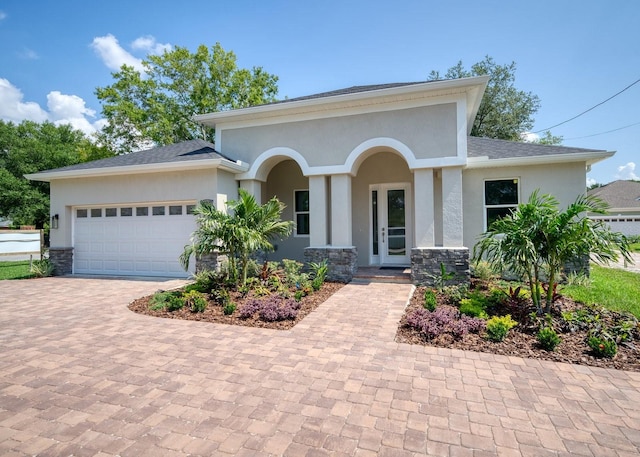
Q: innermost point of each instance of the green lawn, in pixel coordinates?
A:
(15, 270)
(635, 247)
(616, 289)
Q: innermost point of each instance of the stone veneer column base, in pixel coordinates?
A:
(343, 262)
(209, 262)
(62, 261)
(425, 264)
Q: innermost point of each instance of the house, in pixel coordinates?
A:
(623, 198)
(372, 175)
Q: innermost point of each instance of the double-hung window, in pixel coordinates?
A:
(301, 210)
(500, 199)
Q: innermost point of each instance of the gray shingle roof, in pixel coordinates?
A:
(619, 194)
(179, 152)
(502, 149)
(350, 90)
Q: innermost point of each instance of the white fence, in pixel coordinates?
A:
(21, 242)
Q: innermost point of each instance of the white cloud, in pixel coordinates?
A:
(3, 15)
(71, 109)
(63, 109)
(13, 108)
(627, 172)
(113, 55)
(591, 182)
(29, 54)
(530, 137)
(149, 45)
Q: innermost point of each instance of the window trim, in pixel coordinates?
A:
(485, 207)
(296, 213)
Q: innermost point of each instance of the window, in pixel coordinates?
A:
(126, 212)
(111, 212)
(96, 212)
(142, 211)
(158, 210)
(175, 210)
(301, 209)
(190, 209)
(500, 198)
(81, 213)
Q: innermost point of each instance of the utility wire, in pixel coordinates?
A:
(602, 133)
(593, 107)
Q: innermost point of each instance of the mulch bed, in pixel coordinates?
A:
(523, 343)
(214, 313)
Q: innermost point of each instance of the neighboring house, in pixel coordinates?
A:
(376, 175)
(623, 198)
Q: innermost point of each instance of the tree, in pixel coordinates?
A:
(158, 106)
(505, 112)
(247, 228)
(537, 239)
(30, 147)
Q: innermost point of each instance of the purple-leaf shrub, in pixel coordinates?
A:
(270, 309)
(443, 320)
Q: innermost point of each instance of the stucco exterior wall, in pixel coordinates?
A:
(383, 167)
(283, 179)
(564, 181)
(430, 132)
(134, 188)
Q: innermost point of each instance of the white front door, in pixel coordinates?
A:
(391, 224)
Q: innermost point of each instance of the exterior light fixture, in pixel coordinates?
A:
(54, 221)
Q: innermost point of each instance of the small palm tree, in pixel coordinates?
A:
(537, 238)
(248, 227)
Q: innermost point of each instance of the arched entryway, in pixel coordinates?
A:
(382, 208)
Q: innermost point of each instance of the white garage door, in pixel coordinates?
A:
(142, 240)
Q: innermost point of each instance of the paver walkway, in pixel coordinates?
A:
(82, 375)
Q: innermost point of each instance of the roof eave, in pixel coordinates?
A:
(588, 157)
(476, 84)
(223, 164)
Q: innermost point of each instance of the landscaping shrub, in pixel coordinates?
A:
(430, 299)
(475, 305)
(319, 273)
(271, 309)
(444, 320)
(453, 294)
(483, 271)
(602, 347)
(170, 301)
(229, 308)
(196, 301)
(499, 326)
(42, 268)
(548, 338)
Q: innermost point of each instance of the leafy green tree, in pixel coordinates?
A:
(247, 227)
(158, 106)
(505, 112)
(30, 147)
(537, 240)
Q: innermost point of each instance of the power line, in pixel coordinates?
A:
(593, 107)
(602, 133)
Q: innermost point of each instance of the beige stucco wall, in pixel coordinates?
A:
(135, 188)
(283, 179)
(430, 132)
(563, 181)
(383, 167)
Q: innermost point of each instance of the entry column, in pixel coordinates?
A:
(318, 211)
(341, 226)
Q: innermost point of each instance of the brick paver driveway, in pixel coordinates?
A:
(82, 375)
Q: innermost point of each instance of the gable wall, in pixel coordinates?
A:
(430, 132)
(565, 181)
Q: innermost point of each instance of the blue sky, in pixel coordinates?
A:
(572, 54)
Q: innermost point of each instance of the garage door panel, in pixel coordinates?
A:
(134, 245)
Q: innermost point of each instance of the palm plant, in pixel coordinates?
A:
(247, 228)
(538, 239)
